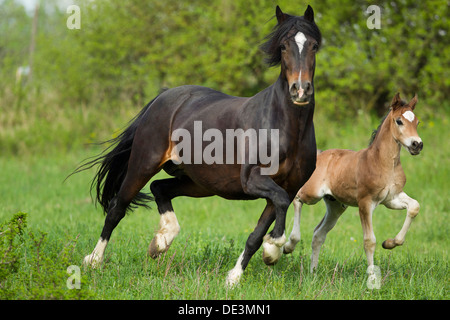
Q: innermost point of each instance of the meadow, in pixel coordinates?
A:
(63, 226)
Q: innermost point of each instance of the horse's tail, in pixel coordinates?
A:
(113, 168)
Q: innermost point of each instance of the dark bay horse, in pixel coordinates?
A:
(173, 133)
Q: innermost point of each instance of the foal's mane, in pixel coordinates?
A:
(375, 132)
(279, 33)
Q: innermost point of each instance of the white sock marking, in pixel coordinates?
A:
(235, 274)
(96, 257)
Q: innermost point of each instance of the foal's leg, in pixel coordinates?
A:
(365, 214)
(164, 191)
(333, 213)
(402, 201)
(294, 238)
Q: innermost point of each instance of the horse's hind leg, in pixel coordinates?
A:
(164, 191)
(130, 187)
(402, 201)
(334, 211)
(143, 164)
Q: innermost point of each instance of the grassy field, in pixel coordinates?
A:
(63, 226)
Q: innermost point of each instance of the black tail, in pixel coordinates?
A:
(113, 163)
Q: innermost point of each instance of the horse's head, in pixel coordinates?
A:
(294, 43)
(404, 124)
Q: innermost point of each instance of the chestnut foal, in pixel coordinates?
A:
(364, 179)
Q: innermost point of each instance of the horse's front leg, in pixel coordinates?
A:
(294, 238)
(252, 245)
(366, 208)
(402, 201)
(264, 187)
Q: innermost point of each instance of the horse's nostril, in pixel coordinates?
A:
(308, 88)
(293, 89)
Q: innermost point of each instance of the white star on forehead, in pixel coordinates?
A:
(409, 116)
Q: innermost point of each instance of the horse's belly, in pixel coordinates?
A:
(221, 179)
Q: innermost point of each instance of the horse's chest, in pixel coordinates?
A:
(293, 174)
(394, 185)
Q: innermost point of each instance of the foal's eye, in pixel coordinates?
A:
(399, 122)
(283, 47)
(315, 47)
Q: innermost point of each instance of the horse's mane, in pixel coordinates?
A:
(375, 132)
(279, 33)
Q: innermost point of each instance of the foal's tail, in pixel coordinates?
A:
(113, 168)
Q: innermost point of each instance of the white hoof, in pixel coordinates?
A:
(233, 278)
(168, 230)
(93, 260)
(235, 274)
(96, 257)
(289, 247)
(273, 249)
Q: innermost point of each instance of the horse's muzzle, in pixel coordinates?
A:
(301, 93)
(415, 148)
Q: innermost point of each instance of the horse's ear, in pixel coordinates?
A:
(412, 103)
(281, 17)
(396, 101)
(309, 14)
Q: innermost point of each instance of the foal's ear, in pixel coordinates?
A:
(309, 14)
(396, 101)
(281, 17)
(412, 103)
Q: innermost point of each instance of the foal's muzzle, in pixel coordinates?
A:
(415, 148)
(301, 92)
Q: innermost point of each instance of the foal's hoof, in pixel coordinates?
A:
(389, 244)
(289, 247)
(273, 249)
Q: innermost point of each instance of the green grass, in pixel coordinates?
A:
(214, 231)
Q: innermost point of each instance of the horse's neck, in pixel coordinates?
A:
(385, 150)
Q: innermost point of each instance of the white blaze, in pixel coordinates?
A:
(409, 116)
(300, 39)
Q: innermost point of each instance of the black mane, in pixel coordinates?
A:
(279, 33)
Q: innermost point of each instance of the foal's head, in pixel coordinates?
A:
(404, 124)
(293, 44)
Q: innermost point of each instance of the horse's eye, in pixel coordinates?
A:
(283, 47)
(315, 47)
(399, 122)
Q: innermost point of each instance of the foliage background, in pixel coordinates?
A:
(127, 50)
